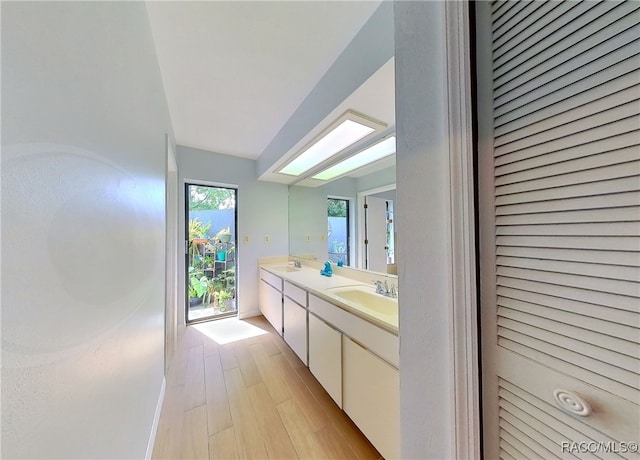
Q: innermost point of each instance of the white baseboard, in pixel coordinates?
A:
(156, 420)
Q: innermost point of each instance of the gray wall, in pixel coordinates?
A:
(426, 384)
(84, 119)
(262, 210)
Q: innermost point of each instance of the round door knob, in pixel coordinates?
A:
(572, 402)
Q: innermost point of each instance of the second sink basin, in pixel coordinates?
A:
(367, 298)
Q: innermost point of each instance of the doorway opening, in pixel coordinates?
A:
(377, 229)
(211, 252)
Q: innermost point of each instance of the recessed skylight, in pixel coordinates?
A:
(348, 130)
(375, 152)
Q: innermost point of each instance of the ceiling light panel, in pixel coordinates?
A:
(346, 131)
(376, 152)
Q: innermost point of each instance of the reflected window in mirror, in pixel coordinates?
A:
(338, 224)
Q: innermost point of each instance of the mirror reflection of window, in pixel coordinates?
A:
(338, 230)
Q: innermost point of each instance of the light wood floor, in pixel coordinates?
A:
(250, 399)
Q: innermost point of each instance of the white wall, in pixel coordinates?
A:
(83, 165)
(308, 218)
(426, 393)
(377, 179)
(370, 49)
(262, 210)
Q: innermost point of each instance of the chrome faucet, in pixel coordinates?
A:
(383, 288)
(380, 288)
(297, 263)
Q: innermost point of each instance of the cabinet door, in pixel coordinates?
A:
(271, 305)
(371, 393)
(295, 328)
(325, 357)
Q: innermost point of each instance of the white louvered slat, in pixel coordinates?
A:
(513, 8)
(605, 66)
(520, 21)
(620, 287)
(510, 450)
(600, 355)
(563, 247)
(594, 20)
(504, 455)
(623, 126)
(603, 160)
(604, 299)
(631, 213)
(552, 428)
(548, 430)
(573, 242)
(618, 200)
(523, 118)
(619, 272)
(577, 119)
(500, 7)
(524, 442)
(550, 361)
(570, 428)
(604, 118)
(517, 33)
(516, 162)
(590, 229)
(622, 259)
(548, 34)
(512, 331)
(603, 187)
(599, 73)
(605, 341)
(528, 26)
(545, 33)
(584, 309)
(563, 63)
(533, 430)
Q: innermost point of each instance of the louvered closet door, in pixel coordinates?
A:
(564, 259)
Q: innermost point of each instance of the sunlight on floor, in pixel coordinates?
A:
(229, 330)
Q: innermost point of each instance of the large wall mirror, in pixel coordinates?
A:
(327, 221)
(331, 222)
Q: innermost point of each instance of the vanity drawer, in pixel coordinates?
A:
(377, 340)
(295, 293)
(271, 279)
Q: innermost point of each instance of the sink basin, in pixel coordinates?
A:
(366, 298)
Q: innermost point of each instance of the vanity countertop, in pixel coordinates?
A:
(311, 280)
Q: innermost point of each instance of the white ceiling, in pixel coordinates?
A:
(234, 72)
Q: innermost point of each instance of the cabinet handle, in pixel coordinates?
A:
(572, 402)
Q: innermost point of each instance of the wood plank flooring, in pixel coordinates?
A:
(251, 398)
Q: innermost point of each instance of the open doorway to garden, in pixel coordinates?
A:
(211, 255)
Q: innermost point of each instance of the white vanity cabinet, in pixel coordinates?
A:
(325, 356)
(270, 296)
(295, 320)
(371, 397)
(356, 362)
